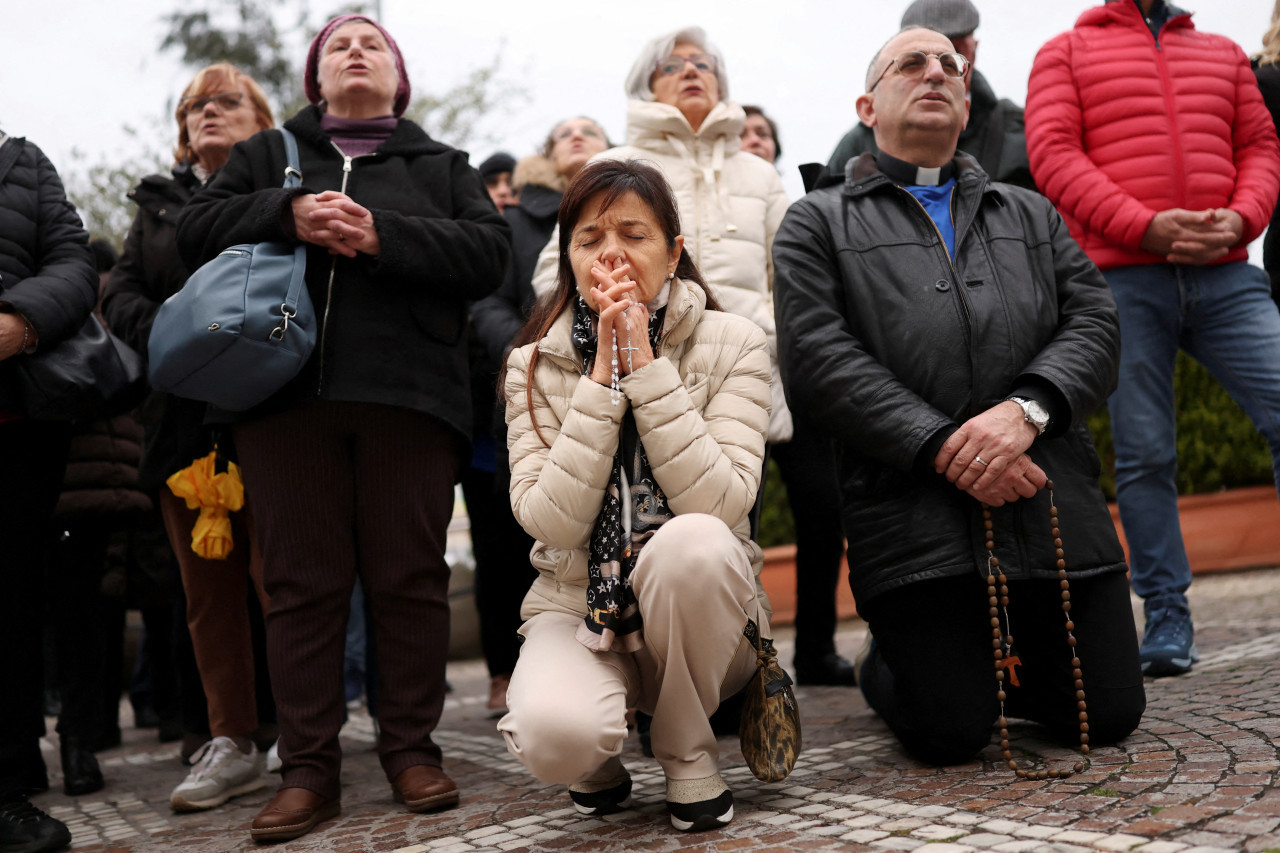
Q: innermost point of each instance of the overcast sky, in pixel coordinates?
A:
(74, 72)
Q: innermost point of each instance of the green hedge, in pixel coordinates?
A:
(1218, 448)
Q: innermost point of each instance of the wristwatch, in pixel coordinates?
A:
(1036, 414)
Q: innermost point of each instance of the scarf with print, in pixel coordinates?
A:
(634, 508)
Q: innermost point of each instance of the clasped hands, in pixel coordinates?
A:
(999, 437)
(617, 312)
(1193, 237)
(332, 220)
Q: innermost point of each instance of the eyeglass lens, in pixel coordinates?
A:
(913, 63)
(675, 64)
(225, 101)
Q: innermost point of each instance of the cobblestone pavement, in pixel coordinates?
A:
(1199, 776)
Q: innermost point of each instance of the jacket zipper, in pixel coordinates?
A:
(333, 266)
(1171, 109)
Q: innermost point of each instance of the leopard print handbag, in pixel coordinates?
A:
(770, 728)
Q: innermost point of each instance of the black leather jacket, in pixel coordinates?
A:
(887, 343)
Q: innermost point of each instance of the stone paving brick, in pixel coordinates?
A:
(1198, 775)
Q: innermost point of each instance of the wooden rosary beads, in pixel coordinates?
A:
(1002, 643)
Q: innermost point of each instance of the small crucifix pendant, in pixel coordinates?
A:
(628, 349)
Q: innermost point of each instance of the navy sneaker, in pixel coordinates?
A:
(1168, 643)
(600, 803)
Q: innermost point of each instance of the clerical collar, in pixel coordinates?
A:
(902, 172)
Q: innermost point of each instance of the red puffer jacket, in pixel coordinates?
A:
(1120, 127)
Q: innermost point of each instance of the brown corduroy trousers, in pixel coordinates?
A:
(340, 489)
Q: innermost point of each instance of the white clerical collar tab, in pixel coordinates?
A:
(928, 177)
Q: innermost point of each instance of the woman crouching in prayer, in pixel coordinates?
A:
(637, 414)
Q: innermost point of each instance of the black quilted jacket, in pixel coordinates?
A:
(888, 343)
(47, 273)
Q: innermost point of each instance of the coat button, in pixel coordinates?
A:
(942, 285)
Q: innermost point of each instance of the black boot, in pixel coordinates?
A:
(829, 669)
(26, 829)
(80, 771)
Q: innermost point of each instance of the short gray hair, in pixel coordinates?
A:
(660, 48)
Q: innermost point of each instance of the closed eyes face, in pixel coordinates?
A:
(626, 232)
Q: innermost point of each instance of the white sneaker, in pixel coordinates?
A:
(219, 772)
(273, 757)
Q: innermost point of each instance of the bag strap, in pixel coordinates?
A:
(297, 281)
(10, 149)
(293, 171)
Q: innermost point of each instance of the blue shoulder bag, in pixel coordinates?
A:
(243, 324)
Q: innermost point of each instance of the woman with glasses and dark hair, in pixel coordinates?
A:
(350, 466)
(637, 416)
(501, 547)
(219, 107)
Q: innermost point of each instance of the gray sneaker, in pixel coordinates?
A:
(220, 771)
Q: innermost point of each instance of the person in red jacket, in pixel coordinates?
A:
(1154, 143)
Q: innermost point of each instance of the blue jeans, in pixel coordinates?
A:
(1223, 317)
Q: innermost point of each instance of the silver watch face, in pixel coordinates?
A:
(1035, 413)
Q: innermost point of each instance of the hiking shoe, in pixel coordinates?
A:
(1168, 643)
(600, 797)
(26, 829)
(696, 805)
(221, 771)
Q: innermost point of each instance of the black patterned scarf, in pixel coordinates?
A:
(634, 508)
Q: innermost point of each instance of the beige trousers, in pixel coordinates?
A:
(567, 704)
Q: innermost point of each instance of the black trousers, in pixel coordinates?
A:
(33, 458)
(808, 467)
(503, 571)
(931, 675)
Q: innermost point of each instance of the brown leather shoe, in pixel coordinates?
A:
(292, 813)
(424, 788)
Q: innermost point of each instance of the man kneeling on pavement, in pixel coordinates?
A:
(952, 338)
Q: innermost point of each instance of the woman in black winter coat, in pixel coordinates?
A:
(48, 286)
(500, 545)
(219, 107)
(350, 467)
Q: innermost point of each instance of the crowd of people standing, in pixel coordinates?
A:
(605, 345)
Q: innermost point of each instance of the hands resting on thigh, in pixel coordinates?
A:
(987, 456)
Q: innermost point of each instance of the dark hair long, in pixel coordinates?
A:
(610, 180)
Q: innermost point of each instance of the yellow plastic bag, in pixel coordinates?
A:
(216, 496)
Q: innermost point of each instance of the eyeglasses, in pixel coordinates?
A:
(226, 102)
(568, 132)
(913, 64)
(675, 64)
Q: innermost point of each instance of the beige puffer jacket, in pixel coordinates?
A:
(731, 204)
(701, 408)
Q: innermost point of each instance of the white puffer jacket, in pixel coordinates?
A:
(701, 408)
(731, 204)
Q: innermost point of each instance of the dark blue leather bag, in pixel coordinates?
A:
(242, 326)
